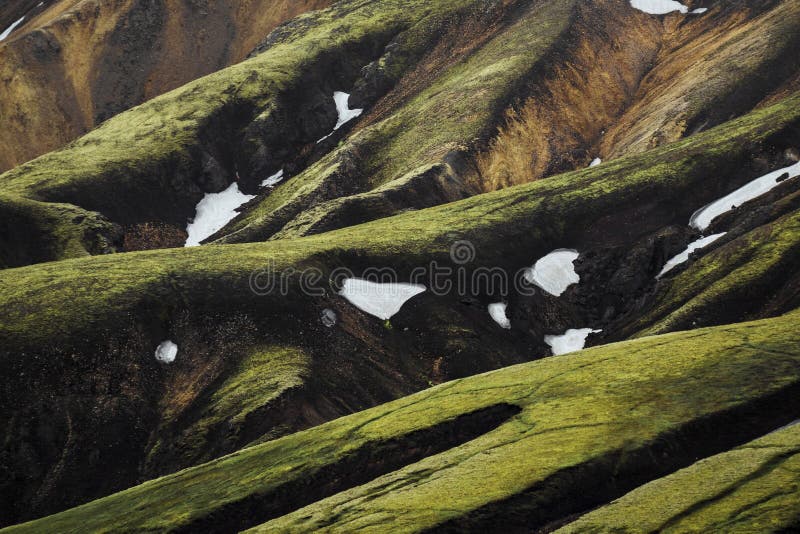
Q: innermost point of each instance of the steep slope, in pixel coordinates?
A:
(436, 82)
(80, 334)
(466, 172)
(525, 446)
(73, 64)
(753, 488)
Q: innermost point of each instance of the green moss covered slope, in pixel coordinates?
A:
(581, 418)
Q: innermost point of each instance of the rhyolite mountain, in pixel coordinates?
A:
(72, 64)
(509, 128)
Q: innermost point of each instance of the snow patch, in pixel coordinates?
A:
(346, 114)
(703, 217)
(595, 162)
(380, 300)
(10, 29)
(166, 352)
(214, 211)
(273, 180)
(684, 256)
(498, 313)
(659, 7)
(328, 317)
(343, 107)
(555, 272)
(571, 341)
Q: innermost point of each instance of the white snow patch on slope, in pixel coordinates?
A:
(343, 107)
(273, 180)
(595, 162)
(571, 341)
(659, 7)
(498, 313)
(684, 256)
(10, 29)
(166, 352)
(555, 272)
(214, 211)
(703, 217)
(346, 114)
(380, 300)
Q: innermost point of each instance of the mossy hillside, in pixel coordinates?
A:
(37, 231)
(510, 228)
(224, 419)
(128, 165)
(453, 110)
(753, 488)
(739, 272)
(602, 405)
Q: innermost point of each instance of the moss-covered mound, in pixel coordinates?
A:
(467, 104)
(753, 488)
(97, 321)
(522, 446)
(437, 80)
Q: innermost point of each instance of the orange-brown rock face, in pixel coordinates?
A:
(73, 64)
(626, 82)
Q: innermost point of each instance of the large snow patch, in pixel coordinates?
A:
(555, 272)
(214, 211)
(703, 217)
(380, 300)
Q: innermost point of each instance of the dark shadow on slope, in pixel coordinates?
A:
(367, 463)
(574, 491)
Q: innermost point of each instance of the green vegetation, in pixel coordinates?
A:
(259, 380)
(154, 150)
(753, 488)
(512, 226)
(591, 414)
(448, 115)
(752, 264)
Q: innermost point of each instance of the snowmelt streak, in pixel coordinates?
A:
(703, 217)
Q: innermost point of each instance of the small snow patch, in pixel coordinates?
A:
(343, 107)
(659, 7)
(703, 217)
(595, 162)
(214, 211)
(555, 272)
(380, 300)
(166, 352)
(684, 256)
(328, 318)
(273, 180)
(699, 11)
(572, 341)
(10, 29)
(346, 114)
(498, 312)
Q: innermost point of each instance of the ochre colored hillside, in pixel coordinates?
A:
(73, 64)
(200, 324)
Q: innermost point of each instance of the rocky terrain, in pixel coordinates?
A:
(540, 175)
(72, 64)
